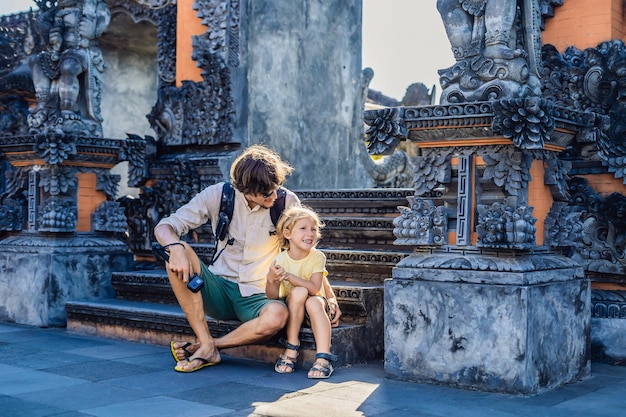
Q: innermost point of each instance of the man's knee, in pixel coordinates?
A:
(274, 316)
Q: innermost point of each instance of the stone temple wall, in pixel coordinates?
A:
(304, 90)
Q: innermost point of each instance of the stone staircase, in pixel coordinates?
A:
(358, 242)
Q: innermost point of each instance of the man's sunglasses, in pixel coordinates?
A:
(267, 195)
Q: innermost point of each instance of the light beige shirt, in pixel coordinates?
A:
(248, 259)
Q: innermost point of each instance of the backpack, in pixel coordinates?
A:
(227, 207)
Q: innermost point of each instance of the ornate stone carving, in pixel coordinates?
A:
(422, 223)
(509, 169)
(143, 215)
(67, 73)
(222, 19)
(109, 217)
(16, 88)
(556, 176)
(563, 226)
(608, 304)
(210, 124)
(484, 259)
(215, 52)
(504, 224)
(54, 148)
(57, 180)
(526, 121)
(163, 15)
(14, 113)
(108, 183)
(135, 150)
(431, 171)
(393, 171)
(57, 215)
(592, 228)
(386, 130)
(488, 67)
(156, 4)
(166, 51)
(11, 215)
(592, 80)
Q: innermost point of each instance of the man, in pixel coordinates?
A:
(235, 283)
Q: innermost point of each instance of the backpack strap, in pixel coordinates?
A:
(227, 204)
(279, 205)
(227, 208)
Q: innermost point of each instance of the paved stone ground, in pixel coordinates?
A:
(52, 372)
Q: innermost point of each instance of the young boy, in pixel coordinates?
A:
(297, 275)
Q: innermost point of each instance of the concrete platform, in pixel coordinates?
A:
(54, 372)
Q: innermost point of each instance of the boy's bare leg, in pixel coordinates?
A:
(295, 304)
(320, 324)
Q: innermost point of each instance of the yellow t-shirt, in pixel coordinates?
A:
(303, 268)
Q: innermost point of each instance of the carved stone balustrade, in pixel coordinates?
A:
(480, 300)
(62, 231)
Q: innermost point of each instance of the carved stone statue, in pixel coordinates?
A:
(67, 75)
(490, 62)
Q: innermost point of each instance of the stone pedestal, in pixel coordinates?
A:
(518, 325)
(40, 274)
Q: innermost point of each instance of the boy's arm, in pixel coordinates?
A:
(313, 285)
(272, 282)
(335, 311)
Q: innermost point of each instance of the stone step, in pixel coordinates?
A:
(366, 266)
(357, 219)
(373, 201)
(153, 286)
(160, 323)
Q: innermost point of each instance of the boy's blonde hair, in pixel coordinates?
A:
(289, 218)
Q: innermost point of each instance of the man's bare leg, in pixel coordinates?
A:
(192, 306)
(272, 318)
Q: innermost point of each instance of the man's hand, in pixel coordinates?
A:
(179, 262)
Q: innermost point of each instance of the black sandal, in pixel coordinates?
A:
(325, 369)
(284, 360)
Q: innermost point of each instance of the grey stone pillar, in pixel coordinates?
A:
(518, 325)
(40, 274)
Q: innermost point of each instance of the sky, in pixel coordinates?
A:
(404, 42)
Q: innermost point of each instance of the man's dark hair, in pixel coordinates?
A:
(259, 170)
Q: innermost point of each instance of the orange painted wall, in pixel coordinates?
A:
(605, 184)
(88, 199)
(187, 25)
(540, 198)
(584, 23)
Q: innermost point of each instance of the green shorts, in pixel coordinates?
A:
(223, 300)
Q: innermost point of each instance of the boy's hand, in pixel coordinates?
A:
(335, 312)
(275, 273)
